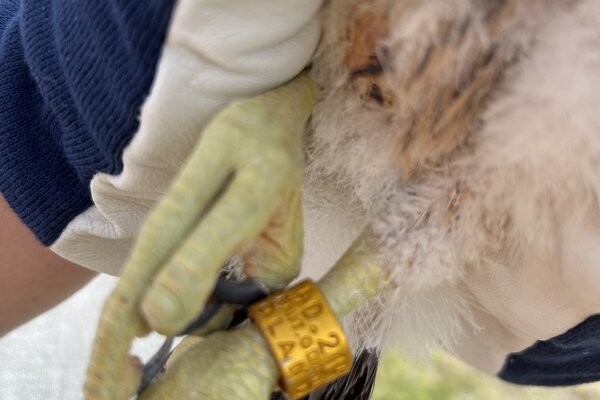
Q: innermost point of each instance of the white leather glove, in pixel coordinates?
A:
(216, 51)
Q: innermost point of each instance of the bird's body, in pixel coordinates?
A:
(466, 134)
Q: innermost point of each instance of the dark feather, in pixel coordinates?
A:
(358, 384)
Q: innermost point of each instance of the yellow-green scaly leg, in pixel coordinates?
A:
(237, 365)
(238, 194)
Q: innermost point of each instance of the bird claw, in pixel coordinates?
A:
(241, 365)
(240, 192)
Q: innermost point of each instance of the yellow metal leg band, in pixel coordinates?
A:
(304, 336)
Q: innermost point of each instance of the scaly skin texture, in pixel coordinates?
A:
(237, 365)
(357, 277)
(238, 194)
(234, 365)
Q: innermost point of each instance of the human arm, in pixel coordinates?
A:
(63, 66)
(32, 278)
(75, 75)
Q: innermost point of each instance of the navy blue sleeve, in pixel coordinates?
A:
(572, 358)
(73, 76)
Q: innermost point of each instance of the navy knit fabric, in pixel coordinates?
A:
(73, 76)
(569, 359)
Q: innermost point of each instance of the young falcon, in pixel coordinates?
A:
(452, 158)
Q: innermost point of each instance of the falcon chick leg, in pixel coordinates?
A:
(239, 194)
(237, 365)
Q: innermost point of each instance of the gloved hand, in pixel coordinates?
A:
(240, 190)
(238, 194)
(215, 52)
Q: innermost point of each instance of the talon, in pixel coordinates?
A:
(245, 292)
(156, 366)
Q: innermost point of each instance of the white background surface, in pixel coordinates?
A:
(46, 359)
